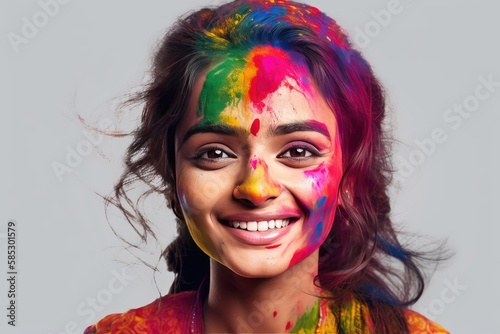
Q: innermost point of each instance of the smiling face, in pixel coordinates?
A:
(258, 163)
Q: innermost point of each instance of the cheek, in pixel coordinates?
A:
(323, 183)
(321, 203)
(198, 191)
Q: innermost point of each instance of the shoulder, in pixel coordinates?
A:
(418, 324)
(168, 314)
(353, 315)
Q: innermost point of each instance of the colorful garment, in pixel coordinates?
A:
(182, 314)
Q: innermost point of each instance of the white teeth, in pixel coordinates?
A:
(260, 226)
(252, 226)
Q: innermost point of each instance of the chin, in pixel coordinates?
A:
(255, 270)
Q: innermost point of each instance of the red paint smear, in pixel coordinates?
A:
(288, 325)
(275, 314)
(299, 255)
(274, 246)
(254, 129)
(273, 66)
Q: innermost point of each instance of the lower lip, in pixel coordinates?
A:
(255, 238)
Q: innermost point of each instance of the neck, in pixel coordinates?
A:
(283, 303)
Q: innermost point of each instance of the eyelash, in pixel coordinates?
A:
(308, 148)
(199, 156)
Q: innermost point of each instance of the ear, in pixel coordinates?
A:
(173, 203)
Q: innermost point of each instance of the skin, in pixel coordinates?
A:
(279, 156)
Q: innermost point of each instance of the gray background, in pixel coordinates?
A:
(429, 57)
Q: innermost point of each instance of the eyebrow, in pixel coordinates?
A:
(211, 128)
(311, 125)
(279, 130)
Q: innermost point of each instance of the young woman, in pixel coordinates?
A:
(263, 128)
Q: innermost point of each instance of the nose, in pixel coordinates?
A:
(258, 186)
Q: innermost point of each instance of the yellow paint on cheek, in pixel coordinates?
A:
(197, 225)
(195, 233)
(201, 239)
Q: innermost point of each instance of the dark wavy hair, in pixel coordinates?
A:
(358, 258)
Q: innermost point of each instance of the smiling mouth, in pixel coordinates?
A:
(260, 226)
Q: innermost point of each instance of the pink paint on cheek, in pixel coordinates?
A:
(275, 314)
(323, 178)
(318, 177)
(288, 326)
(254, 129)
(321, 205)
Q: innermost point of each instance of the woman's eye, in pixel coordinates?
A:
(299, 155)
(213, 158)
(297, 152)
(214, 154)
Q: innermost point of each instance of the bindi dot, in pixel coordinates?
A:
(254, 129)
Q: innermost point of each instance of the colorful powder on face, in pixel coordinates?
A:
(321, 205)
(258, 186)
(288, 326)
(254, 129)
(317, 177)
(253, 163)
(238, 86)
(275, 314)
(300, 254)
(274, 67)
(317, 234)
(237, 79)
(224, 86)
(197, 234)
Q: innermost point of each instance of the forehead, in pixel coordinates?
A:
(267, 85)
(249, 79)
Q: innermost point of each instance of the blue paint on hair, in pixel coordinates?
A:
(391, 249)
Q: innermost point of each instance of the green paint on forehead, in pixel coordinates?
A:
(239, 85)
(222, 88)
